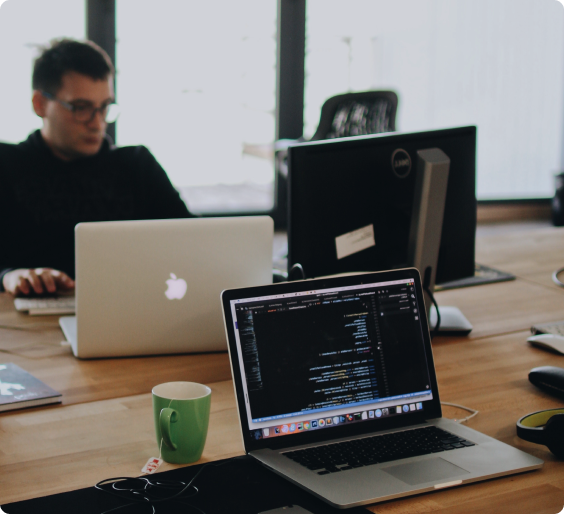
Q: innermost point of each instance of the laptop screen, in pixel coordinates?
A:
(316, 359)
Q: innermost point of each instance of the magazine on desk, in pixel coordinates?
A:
(19, 389)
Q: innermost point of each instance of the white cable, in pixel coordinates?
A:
(555, 278)
(160, 446)
(463, 420)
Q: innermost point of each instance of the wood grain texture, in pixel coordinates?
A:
(490, 375)
(505, 306)
(47, 451)
(104, 428)
(80, 444)
(532, 254)
(34, 343)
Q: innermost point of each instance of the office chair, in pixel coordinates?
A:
(349, 114)
(357, 114)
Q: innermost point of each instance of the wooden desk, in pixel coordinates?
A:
(34, 343)
(104, 427)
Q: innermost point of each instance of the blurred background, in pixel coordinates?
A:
(205, 87)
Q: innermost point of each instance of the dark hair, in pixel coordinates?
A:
(64, 55)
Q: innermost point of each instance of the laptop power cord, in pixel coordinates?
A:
(435, 329)
(463, 420)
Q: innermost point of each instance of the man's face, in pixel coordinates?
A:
(67, 138)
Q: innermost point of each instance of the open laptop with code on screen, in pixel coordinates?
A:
(336, 391)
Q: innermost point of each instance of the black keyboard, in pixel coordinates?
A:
(335, 457)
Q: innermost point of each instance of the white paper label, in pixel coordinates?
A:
(355, 241)
(152, 465)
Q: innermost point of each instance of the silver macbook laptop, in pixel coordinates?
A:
(336, 391)
(152, 287)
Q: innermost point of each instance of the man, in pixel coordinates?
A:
(69, 172)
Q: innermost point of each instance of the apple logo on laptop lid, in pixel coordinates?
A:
(176, 288)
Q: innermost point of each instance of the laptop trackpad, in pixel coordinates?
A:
(428, 470)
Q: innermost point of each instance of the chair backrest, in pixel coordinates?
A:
(356, 114)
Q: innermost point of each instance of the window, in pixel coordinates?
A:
(495, 64)
(25, 25)
(196, 84)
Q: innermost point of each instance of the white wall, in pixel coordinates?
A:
(25, 25)
(196, 83)
(497, 64)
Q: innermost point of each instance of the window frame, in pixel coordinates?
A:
(290, 76)
(101, 29)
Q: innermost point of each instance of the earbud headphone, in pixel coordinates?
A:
(544, 427)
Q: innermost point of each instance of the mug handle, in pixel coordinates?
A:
(166, 417)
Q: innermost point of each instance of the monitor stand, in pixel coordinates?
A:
(425, 234)
(452, 321)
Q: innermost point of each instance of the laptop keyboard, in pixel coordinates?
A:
(332, 458)
(556, 328)
(46, 306)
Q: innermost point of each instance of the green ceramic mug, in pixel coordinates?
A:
(182, 413)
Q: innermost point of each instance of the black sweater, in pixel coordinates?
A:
(43, 198)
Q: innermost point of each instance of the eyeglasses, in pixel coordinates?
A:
(84, 112)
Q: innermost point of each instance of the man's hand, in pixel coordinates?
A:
(38, 280)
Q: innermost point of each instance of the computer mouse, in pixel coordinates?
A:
(548, 342)
(548, 378)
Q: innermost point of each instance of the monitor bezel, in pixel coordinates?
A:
(466, 208)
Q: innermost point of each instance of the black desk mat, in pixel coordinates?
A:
(230, 486)
(482, 275)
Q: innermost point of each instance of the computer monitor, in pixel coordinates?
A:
(351, 200)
